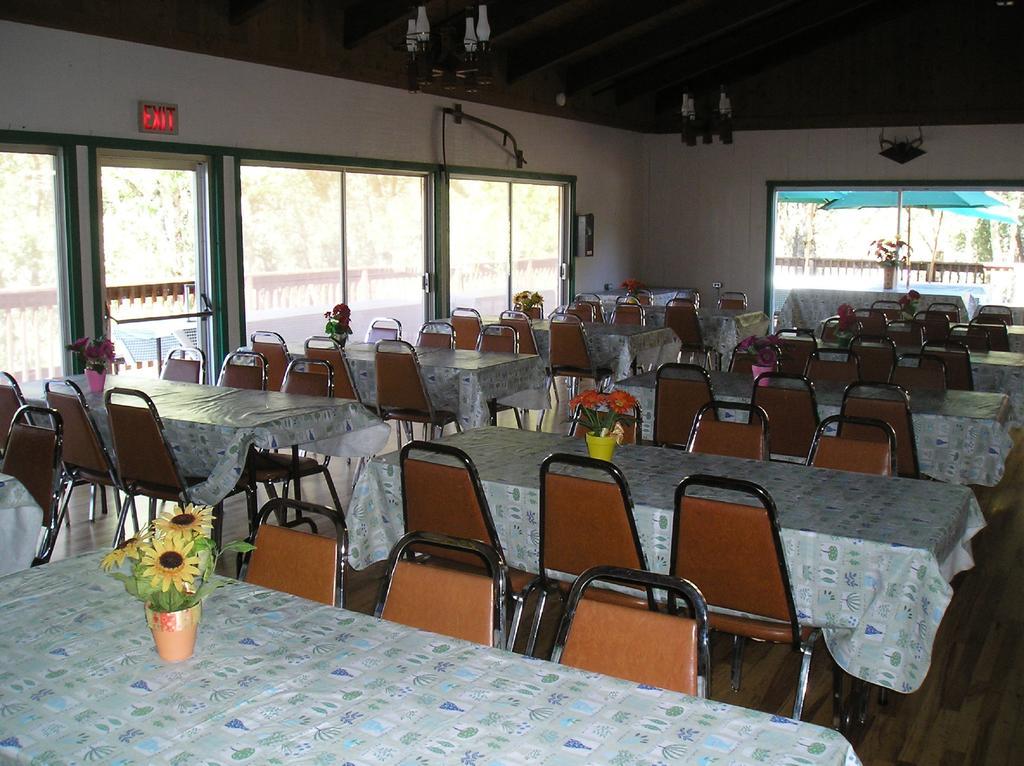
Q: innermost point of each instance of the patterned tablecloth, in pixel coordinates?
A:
(21, 521)
(870, 559)
(808, 307)
(1015, 334)
(962, 436)
(459, 381)
(279, 680)
(617, 346)
(660, 296)
(210, 428)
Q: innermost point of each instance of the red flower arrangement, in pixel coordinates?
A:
(890, 252)
(599, 413)
(847, 318)
(339, 320)
(908, 304)
(96, 353)
(632, 285)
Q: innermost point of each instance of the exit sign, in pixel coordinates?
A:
(158, 118)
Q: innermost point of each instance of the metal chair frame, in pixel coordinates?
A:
(891, 392)
(383, 323)
(677, 371)
(498, 573)
(383, 413)
(295, 366)
(436, 327)
(677, 586)
(269, 337)
(1003, 314)
(497, 329)
(951, 347)
(280, 506)
(601, 381)
(839, 421)
(255, 356)
(186, 354)
(732, 295)
(751, 409)
(327, 343)
(800, 382)
(951, 310)
(8, 381)
(634, 307)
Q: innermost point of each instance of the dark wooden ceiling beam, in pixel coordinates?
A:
(511, 14)
(368, 18)
(699, 27)
(548, 49)
(240, 10)
(751, 40)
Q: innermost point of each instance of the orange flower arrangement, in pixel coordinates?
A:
(600, 412)
(632, 285)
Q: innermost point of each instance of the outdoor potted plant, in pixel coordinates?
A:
(172, 562)
(96, 354)
(765, 351)
(632, 285)
(890, 254)
(909, 303)
(529, 303)
(339, 323)
(603, 415)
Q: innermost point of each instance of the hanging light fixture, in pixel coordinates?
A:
(441, 55)
(716, 121)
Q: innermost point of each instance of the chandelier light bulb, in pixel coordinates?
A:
(724, 105)
(410, 36)
(483, 26)
(422, 24)
(470, 38)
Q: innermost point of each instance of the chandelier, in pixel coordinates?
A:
(441, 55)
(716, 121)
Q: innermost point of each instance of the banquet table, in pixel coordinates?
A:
(808, 307)
(870, 559)
(21, 521)
(962, 436)
(276, 679)
(1015, 334)
(617, 346)
(659, 295)
(463, 382)
(211, 428)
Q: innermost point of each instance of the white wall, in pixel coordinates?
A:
(707, 211)
(58, 81)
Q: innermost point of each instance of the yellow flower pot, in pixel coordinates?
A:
(174, 633)
(601, 447)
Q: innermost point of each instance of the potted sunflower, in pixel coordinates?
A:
(530, 303)
(172, 563)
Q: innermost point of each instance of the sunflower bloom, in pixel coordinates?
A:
(171, 562)
(186, 521)
(129, 549)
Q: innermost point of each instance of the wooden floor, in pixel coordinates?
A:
(970, 710)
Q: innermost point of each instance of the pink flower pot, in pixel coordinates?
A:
(757, 370)
(96, 380)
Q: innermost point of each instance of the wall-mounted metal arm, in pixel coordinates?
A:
(458, 115)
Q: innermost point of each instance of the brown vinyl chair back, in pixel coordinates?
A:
(919, 372)
(436, 335)
(399, 382)
(32, 455)
(498, 337)
(680, 391)
(711, 435)
(644, 297)
(690, 294)
(184, 365)
(144, 458)
(601, 636)
(729, 545)
(631, 429)
(594, 302)
(83, 446)
(892, 309)
(444, 600)
(533, 312)
(890, 403)
(681, 318)
(244, 369)
(846, 452)
(830, 329)
(905, 333)
(789, 400)
(11, 400)
(741, 361)
(974, 337)
(306, 565)
(872, 321)
(839, 366)
(308, 377)
(935, 324)
(445, 499)
(957, 359)
(586, 520)
(797, 345)
(951, 310)
(582, 311)
(877, 356)
(275, 351)
(733, 300)
(520, 322)
(990, 314)
(568, 344)
(324, 348)
(383, 328)
(998, 337)
(629, 314)
(467, 326)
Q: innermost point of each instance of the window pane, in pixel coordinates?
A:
(536, 240)
(291, 233)
(384, 229)
(31, 345)
(479, 244)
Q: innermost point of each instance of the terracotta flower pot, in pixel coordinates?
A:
(174, 633)
(96, 380)
(601, 447)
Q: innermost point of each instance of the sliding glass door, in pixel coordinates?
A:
(505, 236)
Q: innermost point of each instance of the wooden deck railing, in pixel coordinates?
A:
(948, 272)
